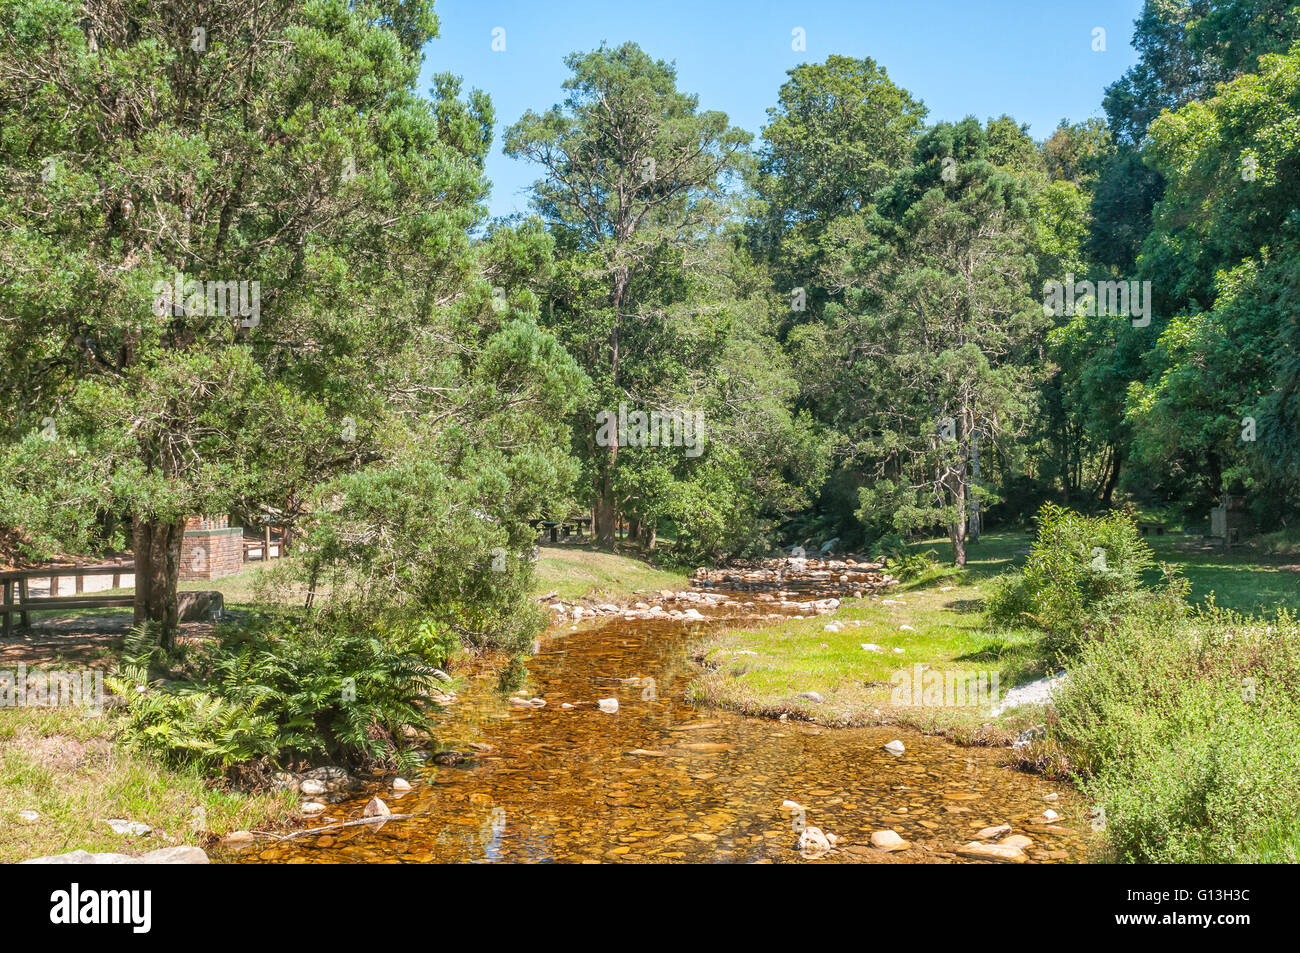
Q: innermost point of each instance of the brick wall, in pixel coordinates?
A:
(211, 549)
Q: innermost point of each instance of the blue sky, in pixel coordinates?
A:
(1031, 59)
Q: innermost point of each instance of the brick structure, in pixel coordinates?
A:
(211, 548)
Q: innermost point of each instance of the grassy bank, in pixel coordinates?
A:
(1178, 720)
(64, 764)
(762, 669)
(935, 621)
(578, 574)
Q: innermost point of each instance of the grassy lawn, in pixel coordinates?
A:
(946, 633)
(762, 669)
(63, 764)
(574, 573)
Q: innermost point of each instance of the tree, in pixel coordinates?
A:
(839, 132)
(937, 325)
(239, 265)
(634, 174)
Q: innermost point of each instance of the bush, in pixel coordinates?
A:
(1083, 575)
(336, 690)
(1191, 762)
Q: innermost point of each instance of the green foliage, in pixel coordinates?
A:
(1186, 732)
(1082, 577)
(340, 692)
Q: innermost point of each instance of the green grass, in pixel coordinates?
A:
(947, 634)
(950, 634)
(64, 764)
(575, 573)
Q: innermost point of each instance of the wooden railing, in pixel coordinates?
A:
(15, 583)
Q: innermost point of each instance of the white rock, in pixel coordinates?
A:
(609, 705)
(812, 842)
(888, 841)
(313, 807)
(376, 808)
(401, 784)
(312, 788)
(1049, 815)
(906, 628)
(872, 647)
(166, 855)
(895, 747)
(28, 817)
(136, 828)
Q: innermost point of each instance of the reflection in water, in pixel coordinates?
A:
(662, 781)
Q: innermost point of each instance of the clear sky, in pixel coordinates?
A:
(1031, 59)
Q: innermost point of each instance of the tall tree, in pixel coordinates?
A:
(938, 325)
(635, 172)
(237, 255)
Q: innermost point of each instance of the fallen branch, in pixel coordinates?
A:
(377, 819)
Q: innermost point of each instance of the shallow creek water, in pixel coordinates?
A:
(661, 781)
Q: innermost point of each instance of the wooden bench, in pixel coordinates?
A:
(1147, 529)
(15, 583)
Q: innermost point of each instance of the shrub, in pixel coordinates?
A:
(1190, 761)
(336, 690)
(1083, 575)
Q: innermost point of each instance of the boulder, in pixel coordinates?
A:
(200, 606)
(888, 841)
(812, 842)
(167, 855)
(999, 853)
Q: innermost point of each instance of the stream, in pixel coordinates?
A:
(662, 781)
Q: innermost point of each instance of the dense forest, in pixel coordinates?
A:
(877, 324)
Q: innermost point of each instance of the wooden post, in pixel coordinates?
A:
(9, 601)
(266, 545)
(23, 617)
(81, 582)
(54, 585)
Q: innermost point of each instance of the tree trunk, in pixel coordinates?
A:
(157, 551)
(651, 533)
(634, 529)
(1117, 461)
(974, 519)
(605, 504)
(957, 529)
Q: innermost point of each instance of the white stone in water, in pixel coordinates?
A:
(401, 784)
(376, 808)
(609, 705)
(812, 842)
(888, 841)
(895, 747)
(311, 787)
(788, 805)
(1051, 797)
(1049, 815)
(313, 807)
(565, 705)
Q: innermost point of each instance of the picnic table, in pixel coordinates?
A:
(569, 526)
